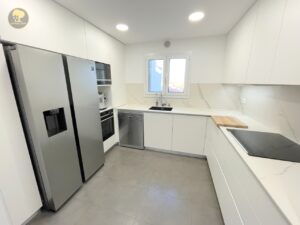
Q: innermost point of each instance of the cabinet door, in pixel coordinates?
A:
(286, 67)
(158, 130)
(189, 134)
(210, 137)
(266, 34)
(238, 48)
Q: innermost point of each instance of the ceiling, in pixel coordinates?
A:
(155, 20)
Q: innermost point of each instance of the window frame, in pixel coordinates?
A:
(166, 76)
(147, 92)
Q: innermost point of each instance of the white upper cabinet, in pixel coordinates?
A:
(264, 47)
(238, 48)
(265, 40)
(286, 68)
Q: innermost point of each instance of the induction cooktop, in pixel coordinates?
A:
(268, 145)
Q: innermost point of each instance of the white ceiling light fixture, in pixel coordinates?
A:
(196, 16)
(122, 27)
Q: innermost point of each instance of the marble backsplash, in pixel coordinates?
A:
(277, 107)
(204, 96)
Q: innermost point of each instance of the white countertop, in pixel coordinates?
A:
(280, 179)
(181, 110)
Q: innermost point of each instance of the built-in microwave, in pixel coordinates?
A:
(103, 73)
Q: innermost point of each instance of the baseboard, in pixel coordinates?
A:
(176, 153)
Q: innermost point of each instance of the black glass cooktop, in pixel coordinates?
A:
(268, 145)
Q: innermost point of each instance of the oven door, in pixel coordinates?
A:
(108, 128)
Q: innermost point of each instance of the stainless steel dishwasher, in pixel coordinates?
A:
(131, 129)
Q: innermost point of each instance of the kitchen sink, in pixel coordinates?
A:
(161, 108)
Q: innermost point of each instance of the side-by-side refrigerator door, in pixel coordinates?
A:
(41, 89)
(83, 93)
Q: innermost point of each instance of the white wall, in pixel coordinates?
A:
(53, 28)
(4, 216)
(50, 27)
(17, 181)
(206, 58)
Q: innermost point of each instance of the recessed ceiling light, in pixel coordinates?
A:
(196, 16)
(122, 27)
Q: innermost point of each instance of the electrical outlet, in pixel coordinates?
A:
(243, 100)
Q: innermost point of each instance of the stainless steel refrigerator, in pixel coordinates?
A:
(42, 95)
(83, 95)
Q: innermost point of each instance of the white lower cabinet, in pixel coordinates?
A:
(229, 209)
(253, 204)
(228, 206)
(180, 133)
(189, 134)
(158, 130)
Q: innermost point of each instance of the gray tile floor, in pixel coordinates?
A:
(142, 188)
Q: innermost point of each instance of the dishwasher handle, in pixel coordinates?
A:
(135, 116)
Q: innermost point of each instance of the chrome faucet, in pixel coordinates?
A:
(159, 100)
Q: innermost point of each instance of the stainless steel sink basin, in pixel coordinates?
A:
(161, 108)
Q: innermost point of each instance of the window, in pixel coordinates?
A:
(177, 72)
(155, 75)
(167, 75)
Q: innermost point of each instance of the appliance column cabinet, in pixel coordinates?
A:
(158, 130)
(189, 134)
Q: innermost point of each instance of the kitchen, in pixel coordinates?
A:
(219, 146)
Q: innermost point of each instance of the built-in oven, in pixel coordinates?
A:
(103, 73)
(107, 123)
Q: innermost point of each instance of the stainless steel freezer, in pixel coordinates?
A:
(83, 95)
(40, 85)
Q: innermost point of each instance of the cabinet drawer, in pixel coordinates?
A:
(253, 202)
(239, 192)
(228, 207)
